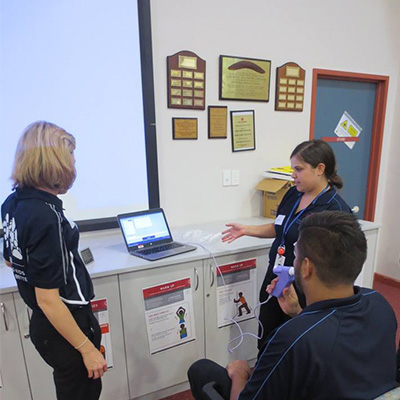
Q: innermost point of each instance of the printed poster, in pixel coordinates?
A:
(348, 127)
(100, 311)
(236, 291)
(169, 314)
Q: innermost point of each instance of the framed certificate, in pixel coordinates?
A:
(243, 132)
(184, 128)
(217, 122)
(244, 78)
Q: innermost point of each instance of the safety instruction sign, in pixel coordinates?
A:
(100, 311)
(169, 314)
(348, 127)
(236, 291)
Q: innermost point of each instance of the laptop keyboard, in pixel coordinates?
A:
(158, 249)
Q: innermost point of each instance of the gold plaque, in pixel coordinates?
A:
(291, 89)
(187, 74)
(176, 92)
(175, 73)
(290, 105)
(300, 82)
(199, 93)
(282, 97)
(187, 92)
(187, 102)
(299, 105)
(283, 81)
(199, 75)
(300, 90)
(176, 100)
(299, 98)
(198, 102)
(184, 128)
(176, 82)
(198, 84)
(244, 78)
(293, 72)
(187, 62)
(217, 122)
(187, 84)
(283, 89)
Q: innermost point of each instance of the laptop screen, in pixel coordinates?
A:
(143, 229)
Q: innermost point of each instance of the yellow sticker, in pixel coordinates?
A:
(353, 132)
(344, 124)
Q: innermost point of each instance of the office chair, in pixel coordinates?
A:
(210, 391)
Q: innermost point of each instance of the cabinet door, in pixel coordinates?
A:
(115, 381)
(41, 375)
(149, 373)
(13, 377)
(217, 339)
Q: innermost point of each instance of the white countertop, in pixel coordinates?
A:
(111, 257)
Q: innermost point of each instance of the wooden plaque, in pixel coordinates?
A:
(290, 84)
(186, 77)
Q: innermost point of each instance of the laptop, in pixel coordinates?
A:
(147, 235)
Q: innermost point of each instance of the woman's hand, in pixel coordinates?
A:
(289, 302)
(234, 232)
(93, 360)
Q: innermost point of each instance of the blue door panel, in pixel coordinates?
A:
(358, 99)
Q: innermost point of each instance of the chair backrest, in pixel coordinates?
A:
(393, 394)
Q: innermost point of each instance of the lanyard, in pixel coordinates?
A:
(287, 226)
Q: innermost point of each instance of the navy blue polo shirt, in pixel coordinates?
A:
(42, 246)
(335, 349)
(328, 201)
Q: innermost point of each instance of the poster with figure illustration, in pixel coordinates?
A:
(236, 291)
(169, 314)
(100, 311)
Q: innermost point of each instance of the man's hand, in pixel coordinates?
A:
(239, 372)
(289, 302)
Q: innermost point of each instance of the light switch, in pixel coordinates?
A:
(226, 178)
(235, 177)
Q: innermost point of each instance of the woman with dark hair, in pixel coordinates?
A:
(315, 178)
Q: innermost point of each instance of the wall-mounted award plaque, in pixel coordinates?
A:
(290, 79)
(186, 81)
(244, 78)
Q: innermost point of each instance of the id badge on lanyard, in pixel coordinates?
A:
(280, 257)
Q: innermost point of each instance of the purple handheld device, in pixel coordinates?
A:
(286, 277)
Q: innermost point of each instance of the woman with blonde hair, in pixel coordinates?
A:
(41, 246)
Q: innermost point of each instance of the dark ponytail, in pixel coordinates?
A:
(314, 152)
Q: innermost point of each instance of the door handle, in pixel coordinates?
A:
(27, 335)
(196, 275)
(212, 276)
(355, 209)
(3, 311)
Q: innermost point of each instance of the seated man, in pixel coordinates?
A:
(341, 346)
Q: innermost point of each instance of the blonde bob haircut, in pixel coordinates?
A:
(43, 158)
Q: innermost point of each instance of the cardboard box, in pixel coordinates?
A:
(274, 190)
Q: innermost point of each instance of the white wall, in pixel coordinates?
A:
(341, 35)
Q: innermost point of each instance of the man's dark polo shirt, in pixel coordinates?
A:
(335, 349)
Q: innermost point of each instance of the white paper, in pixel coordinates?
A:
(100, 311)
(236, 291)
(169, 314)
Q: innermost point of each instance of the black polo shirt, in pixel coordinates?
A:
(335, 349)
(328, 201)
(42, 246)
